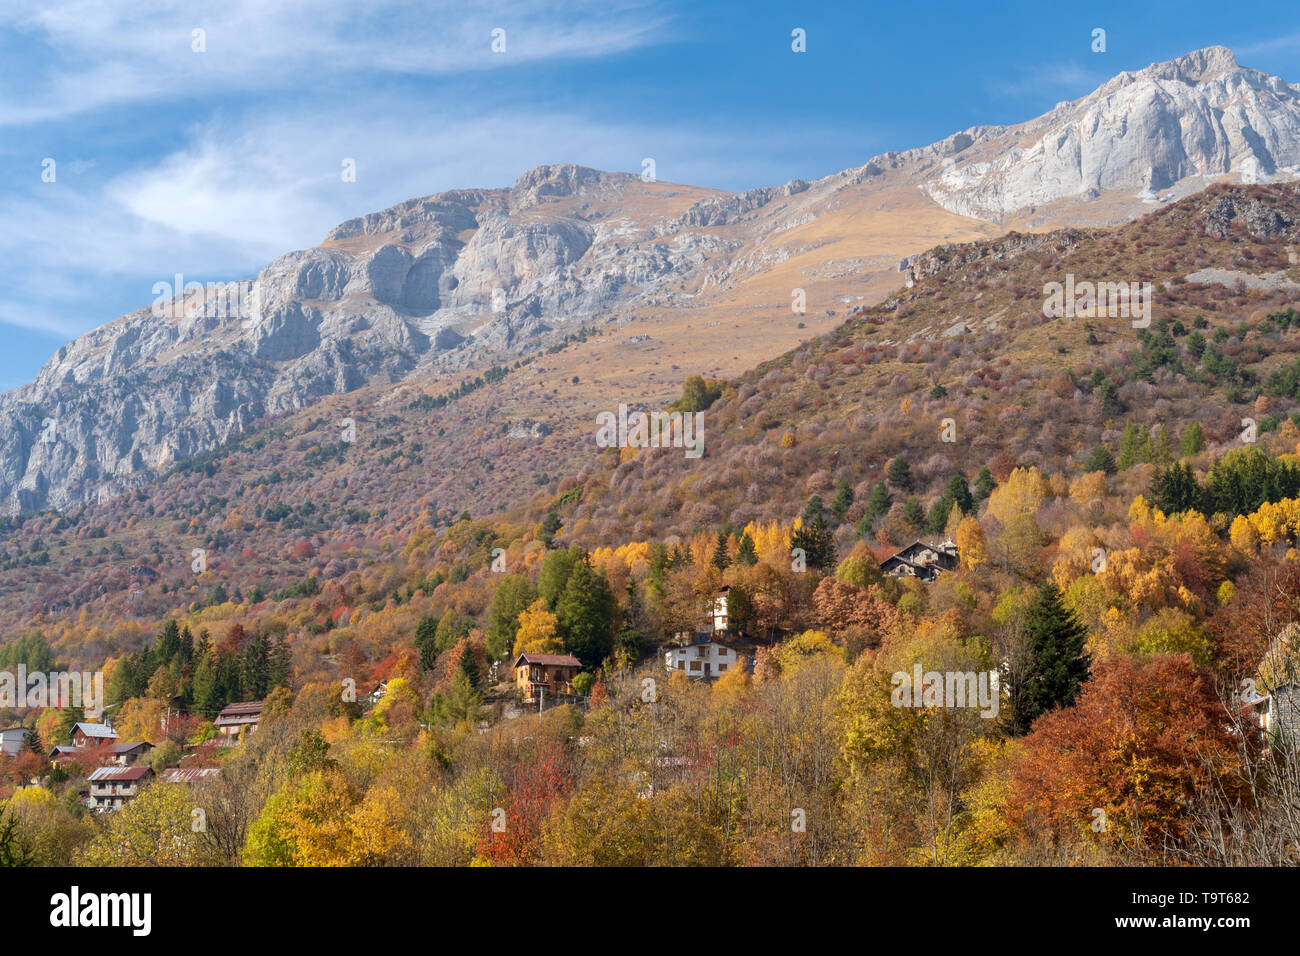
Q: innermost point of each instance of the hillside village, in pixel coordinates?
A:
(657, 660)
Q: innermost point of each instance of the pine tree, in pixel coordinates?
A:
(842, 503)
(984, 484)
(204, 689)
(1192, 440)
(279, 665)
(1162, 447)
(451, 629)
(1099, 459)
(900, 474)
(878, 503)
(513, 595)
(959, 492)
(1176, 489)
(554, 574)
(426, 641)
(254, 670)
(816, 543)
(937, 517)
(914, 514)
(814, 509)
(1130, 448)
(1057, 662)
(746, 554)
(585, 612)
(720, 559)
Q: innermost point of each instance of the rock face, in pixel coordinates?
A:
(382, 296)
(440, 281)
(1148, 133)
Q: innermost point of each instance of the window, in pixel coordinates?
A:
(695, 665)
(721, 668)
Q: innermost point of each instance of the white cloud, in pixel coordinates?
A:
(244, 190)
(84, 55)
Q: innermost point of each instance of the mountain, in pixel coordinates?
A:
(963, 351)
(438, 289)
(1158, 134)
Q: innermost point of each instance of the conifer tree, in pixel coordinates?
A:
(1056, 662)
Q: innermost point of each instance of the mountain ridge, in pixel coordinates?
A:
(435, 286)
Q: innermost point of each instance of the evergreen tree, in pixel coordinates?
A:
(254, 669)
(900, 474)
(984, 484)
(426, 641)
(555, 571)
(1056, 663)
(550, 524)
(121, 683)
(169, 644)
(1100, 459)
(1162, 446)
(1130, 447)
(878, 504)
(207, 696)
(842, 503)
(187, 647)
(585, 613)
(451, 629)
(720, 559)
(816, 542)
(1192, 440)
(914, 514)
(1175, 489)
(958, 492)
(814, 509)
(279, 671)
(13, 851)
(937, 517)
(745, 553)
(513, 595)
(469, 668)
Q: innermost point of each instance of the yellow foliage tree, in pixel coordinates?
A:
(538, 631)
(1022, 493)
(971, 544)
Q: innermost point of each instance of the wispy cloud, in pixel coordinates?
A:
(1068, 78)
(77, 56)
(244, 189)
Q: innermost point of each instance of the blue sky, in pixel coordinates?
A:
(210, 164)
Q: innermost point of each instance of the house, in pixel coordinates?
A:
(700, 658)
(545, 673)
(717, 622)
(112, 787)
(377, 692)
(92, 735)
(63, 752)
(238, 719)
(125, 754)
(1276, 714)
(720, 619)
(921, 560)
(12, 740)
(188, 774)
